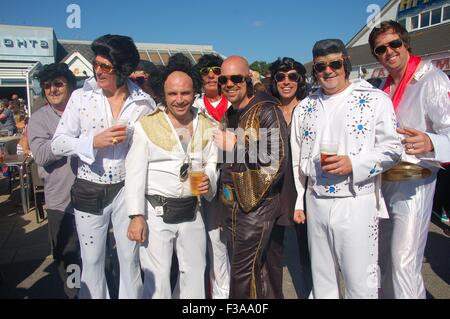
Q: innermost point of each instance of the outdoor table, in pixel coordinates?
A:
(10, 142)
(22, 162)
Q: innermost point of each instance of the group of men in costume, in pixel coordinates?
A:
(135, 160)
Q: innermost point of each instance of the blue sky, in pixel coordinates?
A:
(258, 30)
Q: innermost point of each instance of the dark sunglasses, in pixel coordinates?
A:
(139, 80)
(394, 44)
(322, 66)
(280, 76)
(184, 170)
(107, 68)
(236, 79)
(56, 84)
(215, 69)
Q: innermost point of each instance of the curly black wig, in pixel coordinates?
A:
(122, 53)
(284, 65)
(54, 70)
(177, 62)
(208, 60)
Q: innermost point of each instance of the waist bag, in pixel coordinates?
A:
(92, 198)
(175, 210)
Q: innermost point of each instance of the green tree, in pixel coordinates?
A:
(260, 66)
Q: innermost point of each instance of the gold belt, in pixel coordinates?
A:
(405, 171)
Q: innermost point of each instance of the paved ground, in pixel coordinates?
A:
(27, 268)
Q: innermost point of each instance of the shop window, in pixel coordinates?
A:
(436, 16)
(402, 22)
(414, 22)
(425, 19)
(446, 13)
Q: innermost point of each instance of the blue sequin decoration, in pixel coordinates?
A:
(226, 192)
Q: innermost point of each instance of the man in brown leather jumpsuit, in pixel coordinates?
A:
(254, 143)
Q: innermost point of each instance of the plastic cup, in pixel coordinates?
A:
(196, 174)
(120, 123)
(327, 149)
(196, 178)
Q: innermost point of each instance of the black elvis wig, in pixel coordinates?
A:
(54, 70)
(120, 51)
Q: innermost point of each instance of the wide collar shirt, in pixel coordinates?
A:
(363, 125)
(425, 106)
(87, 114)
(153, 163)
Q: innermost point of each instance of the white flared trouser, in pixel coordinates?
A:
(219, 274)
(189, 240)
(343, 235)
(92, 232)
(403, 237)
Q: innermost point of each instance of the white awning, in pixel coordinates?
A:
(18, 74)
(12, 71)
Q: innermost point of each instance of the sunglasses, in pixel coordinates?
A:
(395, 44)
(334, 65)
(280, 76)
(184, 170)
(56, 84)
(215, 69)
(107, 68)
(139, 80)
(236, 79)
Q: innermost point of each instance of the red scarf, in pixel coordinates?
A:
(219, 111)
(411, 68)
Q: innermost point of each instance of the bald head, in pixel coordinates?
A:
(237, 91)
(235, 65)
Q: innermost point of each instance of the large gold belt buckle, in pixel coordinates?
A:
(405, 171)
(227, 194)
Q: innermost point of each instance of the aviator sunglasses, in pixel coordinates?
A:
(56, 84)
(280, 76)
(215, 69)
(236, 79)
(107, 68)
(394, 44)
(334, 65)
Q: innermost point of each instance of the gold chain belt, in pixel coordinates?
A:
(405, 171)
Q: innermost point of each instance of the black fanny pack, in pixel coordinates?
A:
(175, 210)
(90, 197)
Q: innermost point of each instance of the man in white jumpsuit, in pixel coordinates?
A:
(165, 144)
(420, 93)
(343, 197)
(89, 129)
(215, 104)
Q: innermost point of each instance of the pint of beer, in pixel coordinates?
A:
(327, 149)
(196, 179)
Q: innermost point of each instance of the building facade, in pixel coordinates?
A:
(24, 50)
